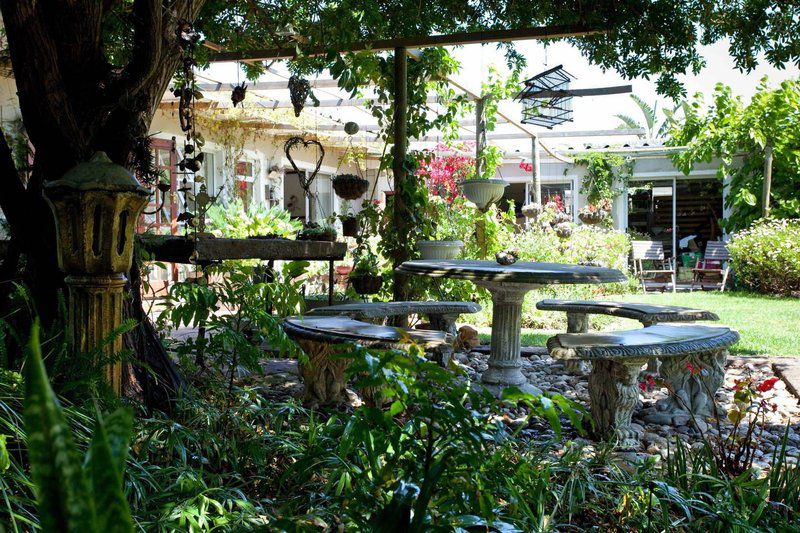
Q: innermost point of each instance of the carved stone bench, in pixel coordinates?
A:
(442, 315)
(693, 366)
(324, 374)
(578, 312)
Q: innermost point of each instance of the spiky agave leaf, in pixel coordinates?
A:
(106, 467)
(61, 488)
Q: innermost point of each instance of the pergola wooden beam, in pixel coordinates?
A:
(423, 41)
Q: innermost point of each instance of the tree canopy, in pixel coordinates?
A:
(737, 134)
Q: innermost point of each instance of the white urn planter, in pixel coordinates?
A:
(439, 249)
(483, 193)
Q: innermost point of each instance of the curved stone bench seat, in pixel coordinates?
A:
(692, 365)
(442, 315)
(339, 329)
(578, 312)
(647, 314)
(324, 378)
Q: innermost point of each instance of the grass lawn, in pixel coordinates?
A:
(768, 325)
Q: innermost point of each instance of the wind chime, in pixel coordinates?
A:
(191, 163)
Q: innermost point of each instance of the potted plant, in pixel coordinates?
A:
(350, 225)
(317, 232)
(483, 189)
(594, 214)
(446, 245)
(349, 186)
(366, 275)
(532, 210)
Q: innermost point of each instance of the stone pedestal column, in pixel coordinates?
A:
(96, 205)
(577, 323)
(505, 362)
(693, 392)
(613, 393)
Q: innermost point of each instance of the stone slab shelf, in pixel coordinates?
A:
(179, 249)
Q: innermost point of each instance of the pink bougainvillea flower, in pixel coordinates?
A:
(767, 385)
(690, 367)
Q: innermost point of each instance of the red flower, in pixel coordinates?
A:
(774, 407)
(767, 385)
(643, 386)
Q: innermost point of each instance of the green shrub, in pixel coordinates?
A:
(766, 256)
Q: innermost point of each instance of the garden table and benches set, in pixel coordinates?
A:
(669, 335)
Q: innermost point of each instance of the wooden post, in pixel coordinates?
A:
(400, 289)
(767, 178)
(480, 134)
(536, 170)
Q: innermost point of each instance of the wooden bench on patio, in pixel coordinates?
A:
(324, 374)
(442, 315)
(692, 364)
(578, 312)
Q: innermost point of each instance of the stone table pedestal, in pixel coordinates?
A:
(505, 363)
(508, 285)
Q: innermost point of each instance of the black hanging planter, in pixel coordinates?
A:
(365, 285)
(350, 226)
(349, 186)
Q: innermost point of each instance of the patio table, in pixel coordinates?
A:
(508, 285)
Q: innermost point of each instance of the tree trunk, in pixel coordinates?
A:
(74, 103)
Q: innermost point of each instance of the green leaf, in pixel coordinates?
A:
(105, 471)
(62, 490)
(5, 460)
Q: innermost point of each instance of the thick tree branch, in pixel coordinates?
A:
(12, 199)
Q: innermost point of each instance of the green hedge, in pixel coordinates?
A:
(766, 256)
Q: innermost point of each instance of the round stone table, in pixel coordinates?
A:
(508, 285)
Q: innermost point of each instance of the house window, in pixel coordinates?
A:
(324, 198)
(560, 194)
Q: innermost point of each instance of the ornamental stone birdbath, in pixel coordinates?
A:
(508, 285)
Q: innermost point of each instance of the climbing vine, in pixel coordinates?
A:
(607, 175)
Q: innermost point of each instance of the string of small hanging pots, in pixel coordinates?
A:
(187, 93)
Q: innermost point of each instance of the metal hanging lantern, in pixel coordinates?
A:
(351, 128)
(299, 89)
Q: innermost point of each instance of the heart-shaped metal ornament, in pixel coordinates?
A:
(300, 142)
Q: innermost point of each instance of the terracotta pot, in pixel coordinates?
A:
(483, 193)
(350, 226)
(439, 249)
(349, 186)
(343, 270)
(366, 284)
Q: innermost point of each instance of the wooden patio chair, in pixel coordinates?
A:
(663, 270)
(713, 266)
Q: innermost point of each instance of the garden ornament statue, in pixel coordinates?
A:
(96, 205)
(506, 257)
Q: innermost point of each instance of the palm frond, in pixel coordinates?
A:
(627, 122)
(648, 112)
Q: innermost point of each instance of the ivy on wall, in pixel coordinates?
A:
(607, 176)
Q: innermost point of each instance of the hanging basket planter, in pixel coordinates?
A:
(483, 193)
(592, 218)
(364, 285)
(349, 186)
(532, 210)
(442, 250)
(350, 226)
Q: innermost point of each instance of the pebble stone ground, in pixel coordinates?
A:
(657, 429)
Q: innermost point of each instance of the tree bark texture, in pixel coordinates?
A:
(74, 102)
